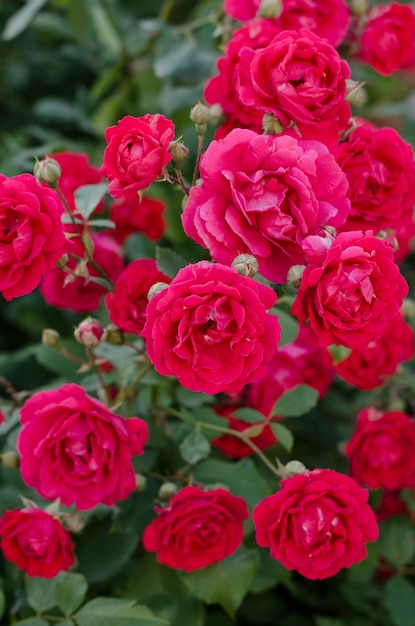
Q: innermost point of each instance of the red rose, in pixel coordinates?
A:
(137, 152)
(381, 450)
(233, 446)
(380, 168)
(89, 332)
(391, 505)
(264, 194)
(31, 233)
(241, 9)
(302, 362)
(74, 448)
(370, 366)
(210, 328)
(76, 171)
(80, 294)
(317, 523)
(197, 529)
(36, 542)
(387, 42)
(300, 78)
(351, 295)
(132, 215)
(128, 302)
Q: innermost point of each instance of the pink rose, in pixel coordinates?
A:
(241, 9)
(370, 366)
(89, 332)
(74, 448)
(381, 450)
(197, 528)
(131, 214)
(380, 168)
(351, 295)
(264, 194)
(128, 302)
(31, 232)
(233, 446)
(80, 294)
(36, 542)
(210, 328)
(316, 524)
(76, 172)
(300, 78)
(387, 42)
(137, 152)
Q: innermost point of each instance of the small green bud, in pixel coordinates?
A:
(294, 275)
(114, 335)
(10, 459)
(270, 8)
(179, 154)
(51, 338)
(245, 265)
(271, 124)
(359, 7)
(48, 171)
(293, 468)
(167, 491)
(200, 114)
(155, 289)
(140, 483)
(355, 94)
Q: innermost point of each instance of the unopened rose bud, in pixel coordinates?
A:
(72, 522)
(270, 8)
(200, 115)
(10, 459)
(408, 308)
(90, 332)
(140, 483)
(167, 491)
(271, 124)
(245, 265)
(51, 338)
(294, 275)
(217, 115)
(179, 154)
(355, 94)
(114, 335)
(293, 468)
(47, 171)
(358, 7)
(155, 289)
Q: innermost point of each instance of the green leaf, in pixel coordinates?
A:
(194, 447)
(270, 574)
(169, 262)
(297, 401)
(70, 592)
(20, 20)
(193, 399)
(115, 612)
(289, 326)
(400, 601)
(328, 621)
(2, 602)
(88, 197)
(40, 592)
(284, 436)
(101, 224)
(248, 415)
(227, 582)
(34, 621)
(396, 541)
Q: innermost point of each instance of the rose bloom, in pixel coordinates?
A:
(351, 294)
(137, 152)
(370, 366)
(197, 528)
(131, 214)
(381, 450)
(387, 42)
(76, 172)
(36, 542)
(223, 89)
(301, 79)
(74, 448)
(31, 234)
(233, 446)
(128, 302)
(210, 328)
(380, 168)
(241, 9)
(391, 505)
(317, 523)
(264, 194)
(302, 362)
(81, 295)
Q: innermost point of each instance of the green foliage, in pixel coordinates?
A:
(400, 600)
(297, 401)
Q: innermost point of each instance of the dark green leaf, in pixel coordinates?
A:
(400, 600)
(270, 573)
(195, 447)
(22, 19)
(169, 262)
(227, 582)
(2, 602)
(88, 197)
(115, 612)
(284, 436)
(396, 541)
(32, 621)
(289, 326)
(40, 593)
(70, 592)
(328, 621)
(248, 415)
(193, 399)
(297, 401)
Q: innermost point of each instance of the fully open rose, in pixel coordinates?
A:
(36, 542)
(317, 523)
(197, 528)
(210, 328)
(74, 448)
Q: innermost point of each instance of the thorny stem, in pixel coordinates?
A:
(14, 394)
(234, 433)
(178, 181)
(92, 362)
(198, 157)
(71, 357)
